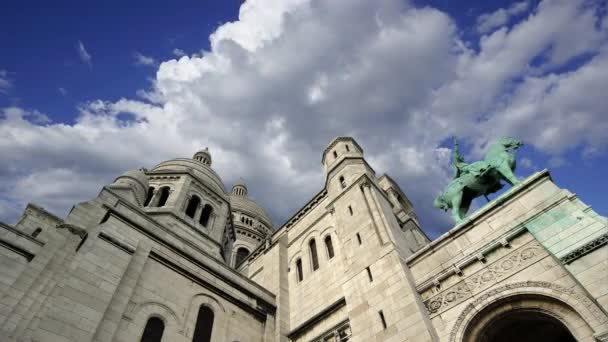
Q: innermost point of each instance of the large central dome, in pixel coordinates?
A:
(199, 165)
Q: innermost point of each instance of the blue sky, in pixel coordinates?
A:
(88, 91)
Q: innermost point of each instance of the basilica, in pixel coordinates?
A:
(171, 254)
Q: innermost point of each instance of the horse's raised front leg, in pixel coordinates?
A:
(456, 210)
(507, 174)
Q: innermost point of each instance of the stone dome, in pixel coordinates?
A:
(198, 168)
(203, 156)
(137, 180)
(245, 205)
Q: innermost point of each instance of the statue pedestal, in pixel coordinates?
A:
(534, 235)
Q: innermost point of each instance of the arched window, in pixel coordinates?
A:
(36, 232)
(299, 272)
(204, 325)
(149, 196)
(335, 154)
(347, 148)
(153, 332)
(205, 215)
(241, 254)
(192, 206)
(342, 182)
(312, 245)
(164, 195)
(329, 246)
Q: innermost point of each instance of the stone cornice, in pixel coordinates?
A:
(300, 329)
(219, 269)
(476, 256)
(21, 234)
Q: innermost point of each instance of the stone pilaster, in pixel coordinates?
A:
(111, 319)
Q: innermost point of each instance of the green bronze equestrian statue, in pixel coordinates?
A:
(480, 178)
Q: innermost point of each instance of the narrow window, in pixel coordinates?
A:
(242, 219)
(299, 272)
(335, 154)
(359, 238)
(329, 246)
(342, 182)
(241, 254)
(204, 325)
(382, 320)
(350, 210)
(192, 206)
(149, 196)
(369, 274)
(205, 215)
(347, 148)
(153, 332)
(164, 195)
(82, 242)
(36, 232)
(312, 245)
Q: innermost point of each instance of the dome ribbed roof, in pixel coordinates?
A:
(137, 175)
(249, 206)
(200, 170)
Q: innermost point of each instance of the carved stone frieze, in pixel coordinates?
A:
(486, 277)
(585, 249)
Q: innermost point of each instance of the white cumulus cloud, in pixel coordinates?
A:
(489, 21)
(288, 76)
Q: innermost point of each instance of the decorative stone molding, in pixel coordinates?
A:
(72, 228)
(578, 301)
(365, 184)
(602, 337)
(585, 249)
(484, 278)
(504, 241)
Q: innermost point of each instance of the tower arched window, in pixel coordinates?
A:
(241, 254)
(192, 206)
(149, 196)
(164, 196)
(36, 232)
(335, 154)
(299, 272)
(314, 259)
(329, 246)
(342, 182)
(204, 325)
(153, 332)
(347, 148)
(205, 215)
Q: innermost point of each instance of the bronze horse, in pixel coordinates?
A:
(479, 178)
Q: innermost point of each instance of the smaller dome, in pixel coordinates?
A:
(203, 156)
(239, 188)
(137, 180)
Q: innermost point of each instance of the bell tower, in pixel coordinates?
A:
(344, 163)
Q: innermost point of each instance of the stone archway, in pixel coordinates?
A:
(527, 318)
(523, 326)
(574, 310)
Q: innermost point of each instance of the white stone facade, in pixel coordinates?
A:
(168, 254)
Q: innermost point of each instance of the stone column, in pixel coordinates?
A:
(113, 314)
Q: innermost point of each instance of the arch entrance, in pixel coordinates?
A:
(523, 318)
(524, 326)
